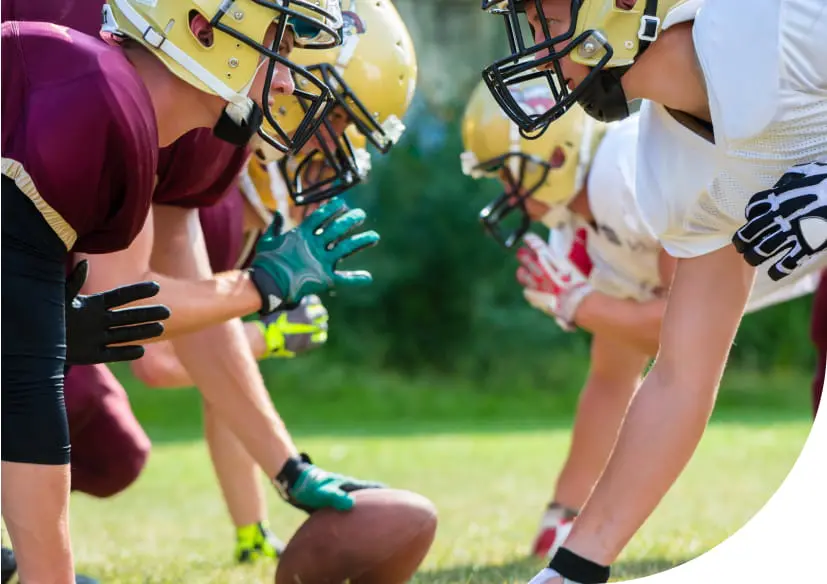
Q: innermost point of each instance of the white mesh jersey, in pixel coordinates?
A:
(766, 75)
(623, 250)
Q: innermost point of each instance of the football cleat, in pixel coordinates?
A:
(9, 565)
(555, 527)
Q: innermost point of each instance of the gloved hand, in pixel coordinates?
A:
(92, 326)
(309, 488)
(551, 282)
(290, 332)
(288, 266)
(789, 219)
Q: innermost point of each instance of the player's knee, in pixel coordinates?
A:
(151, 371)
(158, 368)
(118, 472)
(127, 470)
(34, 426)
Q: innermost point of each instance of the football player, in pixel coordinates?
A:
(703, 157)
(602, 269)
(376, 51)
(150, 86)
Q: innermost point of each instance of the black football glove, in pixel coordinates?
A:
(92, 326)
(789, 219)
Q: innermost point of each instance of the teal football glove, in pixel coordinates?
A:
(309, 488)
(288, 266)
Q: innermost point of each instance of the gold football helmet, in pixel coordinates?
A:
(605, 35)
(325, 173)
(263, 186)
(551, 169)
(373, 78)
(226, 62)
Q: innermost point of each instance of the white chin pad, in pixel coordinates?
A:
(240, 112)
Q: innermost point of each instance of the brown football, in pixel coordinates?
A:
(382, 540)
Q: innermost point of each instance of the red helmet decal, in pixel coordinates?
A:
(536, 99)
(352, 23)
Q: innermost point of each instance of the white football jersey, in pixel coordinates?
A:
(623, 250)
(766, 74)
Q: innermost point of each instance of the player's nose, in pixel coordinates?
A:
(282, 82)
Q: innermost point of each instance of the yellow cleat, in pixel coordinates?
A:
(256, 541)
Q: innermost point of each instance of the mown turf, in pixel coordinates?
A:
(488, 460)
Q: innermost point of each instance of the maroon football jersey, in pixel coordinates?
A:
(228, 245)
(197, 169)
(79, 134)
(81, 15)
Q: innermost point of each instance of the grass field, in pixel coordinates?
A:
(487, 459)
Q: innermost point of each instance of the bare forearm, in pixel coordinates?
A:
(223, 368)
(218, 358)
(197, 304)
(630, 321)
(194, 303)
(670, 410)
(160, 367)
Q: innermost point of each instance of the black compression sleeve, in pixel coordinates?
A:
(34, 427)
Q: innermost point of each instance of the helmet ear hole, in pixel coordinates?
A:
(557, 158)
(201, 29)
(625, 4)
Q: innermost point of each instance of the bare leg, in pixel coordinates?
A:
(613, 377)
(36, 510)
(237, 472)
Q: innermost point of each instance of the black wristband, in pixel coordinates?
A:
(292, 469)
(578, 569)
(260, 280)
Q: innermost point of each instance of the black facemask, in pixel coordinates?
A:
(600, 93)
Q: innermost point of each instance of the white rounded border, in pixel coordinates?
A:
(784, 542)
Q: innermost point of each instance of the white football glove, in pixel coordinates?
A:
(789, 219)
(552, 283)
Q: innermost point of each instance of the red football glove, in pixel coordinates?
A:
(552, 282)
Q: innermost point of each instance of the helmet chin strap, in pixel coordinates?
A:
(248, 189)
(238, 123)
(604, 99)
(514, 139)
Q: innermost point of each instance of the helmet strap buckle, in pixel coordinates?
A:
(649, 27)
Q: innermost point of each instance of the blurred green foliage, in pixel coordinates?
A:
(445, 299)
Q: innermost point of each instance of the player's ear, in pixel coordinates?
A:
(201, 29)
(557, 158)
